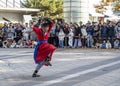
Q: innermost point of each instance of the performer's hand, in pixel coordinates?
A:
(37, 24)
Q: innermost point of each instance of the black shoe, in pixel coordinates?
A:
(49, 63)
(47, 59)
(35, 75)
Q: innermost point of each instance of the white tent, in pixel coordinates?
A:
(97, 15)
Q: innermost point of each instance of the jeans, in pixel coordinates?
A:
(70, 42)
(119, 45)
(112, 41)
(89, 43)
(61, 43)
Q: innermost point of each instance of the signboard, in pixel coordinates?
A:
(27, 18)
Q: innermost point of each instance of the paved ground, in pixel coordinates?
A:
(71, 67)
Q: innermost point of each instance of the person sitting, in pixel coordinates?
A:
(108, 45)
(116, 44)
(103, 45)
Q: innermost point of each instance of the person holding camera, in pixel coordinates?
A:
(43, 50)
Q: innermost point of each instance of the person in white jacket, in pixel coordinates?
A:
(108, 45)
(26, 32)
(70, 42)
(61, 38)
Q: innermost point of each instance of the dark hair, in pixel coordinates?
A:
(45, 25)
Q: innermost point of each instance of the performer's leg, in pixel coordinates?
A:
(48, 60)
(38, 68)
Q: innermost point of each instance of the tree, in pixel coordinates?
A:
(103, 3)
(116, 6)
(59, 11)
(49, 8)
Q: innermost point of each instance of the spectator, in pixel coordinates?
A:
(76, 35)
(33, 36)
(5, 27)
(13, 45)
(84, 36)
(26, 32)
(104, 31)
(117, 30)
(61, 38)
(66, 31)
(29, 44)
(57, 30)
(111, 33)
(97, 44)
(10, 34)
(70, 42)
(51, 39)
(89, 41)
(95, 34)
(5, 44)
(108, 45)
(116, 43)
(89, 30)
(103, 45)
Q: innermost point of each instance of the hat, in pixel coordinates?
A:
(45, 25)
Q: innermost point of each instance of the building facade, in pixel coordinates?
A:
(81, 10)
(11, 11)
(76, 10)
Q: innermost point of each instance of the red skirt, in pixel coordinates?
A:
(44, 50)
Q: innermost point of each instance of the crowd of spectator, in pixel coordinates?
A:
(104, 35)
(17, 35)
(90, 35)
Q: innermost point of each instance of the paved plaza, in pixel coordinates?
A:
(71, 67)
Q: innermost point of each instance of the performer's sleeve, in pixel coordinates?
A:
(36, 30)
(50, 27)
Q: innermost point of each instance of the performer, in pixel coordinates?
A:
(43, 50)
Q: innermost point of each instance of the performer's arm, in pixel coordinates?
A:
(37, 30)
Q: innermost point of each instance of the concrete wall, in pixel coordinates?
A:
(13, 17)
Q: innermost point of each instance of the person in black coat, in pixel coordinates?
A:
(111, 33)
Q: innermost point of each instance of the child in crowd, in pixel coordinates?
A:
(13, 45)
(29, 44)
(103, 45)
(108, 45)
(97, 45)
(70, 42)
(116, 43)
